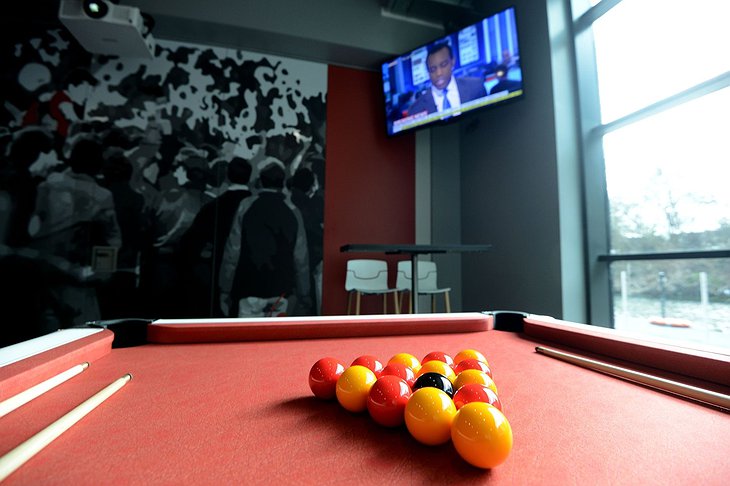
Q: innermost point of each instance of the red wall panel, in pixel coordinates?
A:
(369, 182)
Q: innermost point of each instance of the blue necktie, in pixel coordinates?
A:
(446, 105)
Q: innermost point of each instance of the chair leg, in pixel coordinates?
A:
(395, 303)
(410, 302)
(357, 303)
(349, 302)
(385, 303)
(433, 303)
(447, 301)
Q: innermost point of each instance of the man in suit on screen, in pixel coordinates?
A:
(446, 91)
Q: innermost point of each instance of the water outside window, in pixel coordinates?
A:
(685, 300)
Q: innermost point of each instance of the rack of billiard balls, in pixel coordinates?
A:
(439, 398)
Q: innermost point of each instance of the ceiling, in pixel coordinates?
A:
(353, 33)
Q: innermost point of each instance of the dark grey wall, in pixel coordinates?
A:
(509, 186)
(446, 209)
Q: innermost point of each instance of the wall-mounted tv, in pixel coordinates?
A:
(476, 67)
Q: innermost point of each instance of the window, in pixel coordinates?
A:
(648, 50)
(660, 90)
(664, 177)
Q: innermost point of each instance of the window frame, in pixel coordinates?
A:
(597, 211)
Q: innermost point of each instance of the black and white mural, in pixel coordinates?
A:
(190, 185)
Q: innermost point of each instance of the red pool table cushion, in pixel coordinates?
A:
(707, 365)
(169, 331)
(21, 375)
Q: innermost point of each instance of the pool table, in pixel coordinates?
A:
(228, 402)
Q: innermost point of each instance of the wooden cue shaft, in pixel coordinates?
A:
(687, 391)
(22, 453)
(35, 391)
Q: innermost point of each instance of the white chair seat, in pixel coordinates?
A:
(433, 291)
(427, 283)
(368, 277)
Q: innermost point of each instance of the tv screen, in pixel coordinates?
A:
(476, 67)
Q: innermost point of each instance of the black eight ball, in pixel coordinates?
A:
(435, 380)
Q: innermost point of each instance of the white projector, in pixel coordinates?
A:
(102, 27)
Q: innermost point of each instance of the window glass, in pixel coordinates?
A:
(667, 174)
(647, 50)
(668, 179)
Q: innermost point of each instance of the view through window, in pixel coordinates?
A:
(668, 165)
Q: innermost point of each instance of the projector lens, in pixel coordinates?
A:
(96, 9)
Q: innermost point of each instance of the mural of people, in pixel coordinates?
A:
(306, 197)
(31, 147)
(167, 130)
(204, 242)
(72, 215)
(265, 265)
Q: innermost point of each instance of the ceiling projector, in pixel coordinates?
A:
(103, 27)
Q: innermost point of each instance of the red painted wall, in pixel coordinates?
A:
(369, 182)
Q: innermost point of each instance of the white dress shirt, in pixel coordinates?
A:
(452, 94)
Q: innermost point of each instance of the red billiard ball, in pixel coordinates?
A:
(401, 371)
(370, 362)
(387, 400)
(438, 356)
(323, 377)
(472, 364)
(476, 392)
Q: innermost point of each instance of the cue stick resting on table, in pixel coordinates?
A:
(22, 453)
(35, 391)
(686, 391)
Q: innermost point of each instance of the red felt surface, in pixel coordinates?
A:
(242, 413)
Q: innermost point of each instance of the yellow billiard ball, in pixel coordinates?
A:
(470, 354)
(429, 414)
(474, 376)
(481, 435)
(437, 367)
(353, 387)
(406, 359)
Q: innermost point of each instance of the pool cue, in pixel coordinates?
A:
(16, 401)
(22, 453)
(674, 387)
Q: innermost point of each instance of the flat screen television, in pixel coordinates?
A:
(476, 67)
